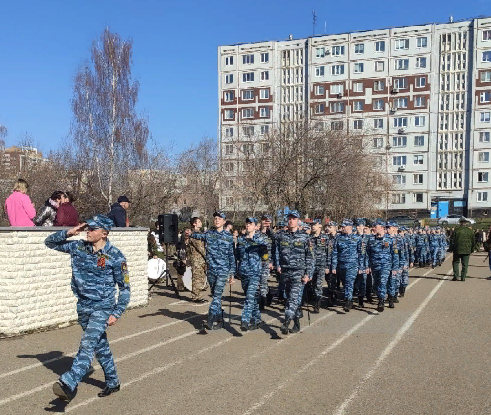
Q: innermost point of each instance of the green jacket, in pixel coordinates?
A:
(462, 240)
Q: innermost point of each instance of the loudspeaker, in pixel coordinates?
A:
(168, 228)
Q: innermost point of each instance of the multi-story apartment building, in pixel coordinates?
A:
(422, 94)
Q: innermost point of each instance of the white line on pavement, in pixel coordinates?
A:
(341, 410)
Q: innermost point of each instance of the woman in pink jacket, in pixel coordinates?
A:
(19, 207)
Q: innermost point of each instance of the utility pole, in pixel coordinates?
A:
(314, 22)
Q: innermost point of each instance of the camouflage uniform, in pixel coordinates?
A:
(196, 254)
(330, 277)
(94, 276)
(319, 245)
(265, 271)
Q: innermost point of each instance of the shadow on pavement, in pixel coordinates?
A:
(178, 316)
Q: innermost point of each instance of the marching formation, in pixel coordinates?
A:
(367, 261)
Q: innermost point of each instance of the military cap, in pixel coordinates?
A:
(220, 214)
(378, 222)
(360, 221)
(438, 228)
(332, 223)
(462, 219)
(391, 223)
(122, 199)
(293, 213)
(317, 220)
(347, 222)
(267, 216)
(251, 220)
(281, 224)
(402, 228)
(100, 221)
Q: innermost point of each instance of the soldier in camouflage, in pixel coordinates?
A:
(363, 268)
(97, 267)
(267, 264)
(331, 277)
(319, 245)
(196, 255)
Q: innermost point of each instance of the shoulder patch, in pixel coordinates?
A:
(124, 271)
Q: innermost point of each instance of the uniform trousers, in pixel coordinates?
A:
(198, 281)
(94, 340)
(348, 276)
(318, 280)
(361, 281)
(380, 278)
(293, 291)
(217, 281)
(250, 285)
(405, 278)
(455, 264)
(435, 255)
(264, 278)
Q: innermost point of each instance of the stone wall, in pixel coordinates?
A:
(35, 288)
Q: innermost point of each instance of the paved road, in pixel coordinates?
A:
(430, 355)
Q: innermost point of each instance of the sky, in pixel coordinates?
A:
(42, 43)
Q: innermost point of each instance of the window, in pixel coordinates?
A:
(484, 137)
(229, 184)
(358, 106)
(229, 96)
(399, 160)
(399, 179)
(358, 125)
(358, 67)
(357, 86)
(486, 35)
(320, 90)
(319, 71)
(420, 62)
(420, 101)
(418, 159)
(400, 122)
(247, 59)
(417, 179)
(379, 66)
(378, 123)
(229, 114)
(486, 56)
(264, 76)
(229, 60)
(229, 132)
(265, 147)
(337, 125)
(264, 112)
(229, 201)
(485, 116)
(229, 79)
(422, 42)
(482, 196)
(399, 141)
(400, 83)
(264, 93)
(338, 50)
(482, 177)
(337, 69)
(337, 106)
(359, 48)
(319, 126)
(319, 109)
(380, 46)
(264, 129)
(486, 76)
(402, 44)
(229, 167)
(398, 198)
(485, 96)
(247, 113)
(247, 149)
(401, 64)
(421, 82)
(378, 142)
(483, 156)
(378, 86)
(248, 131)
(400, 103)
(419, 121)
(418, 197)
(378, 104)
(229, 149)
(419, 140)
(336, 89)
(320, 52)
(265, 57)
(248, 77)
(248, 95)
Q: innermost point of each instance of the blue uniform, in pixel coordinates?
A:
(345, 261)
(435, 248)
(403, 263)
(221, 264)
(383, 258)
(421, 253)
(250, 254)
(330, 278)
(363, 265)
(94, 279)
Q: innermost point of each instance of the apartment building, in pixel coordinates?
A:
(422, 94)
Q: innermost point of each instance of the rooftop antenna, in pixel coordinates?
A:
(314, 22)
(450, 19)
(325, 27)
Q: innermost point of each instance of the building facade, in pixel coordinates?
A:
(422, 94)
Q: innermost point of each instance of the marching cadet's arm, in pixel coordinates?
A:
(122, 278)
(201, 236)
(309, 258)
(275, 252)
(231, 258)
(58, 241)
(395, 257)
(200, 248)
(335, 256)
(361, 257)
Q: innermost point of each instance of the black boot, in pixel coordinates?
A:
(208, 324)
(454, 279)
(391, 301)
(421, 265)
(402, 291)
(369, 298)
(381, 305)
(395, 298)
(347, 305)
(262, 302)
(219, 324)
(284, 326)
(63, 391)
(296, 326)
(332, 296)
(107, 391)
(244, 326)
(256, 325)
(360, 302)
(317, 306)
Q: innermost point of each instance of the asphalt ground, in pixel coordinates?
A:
(429, 355)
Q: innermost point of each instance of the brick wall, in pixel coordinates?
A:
(35, 288)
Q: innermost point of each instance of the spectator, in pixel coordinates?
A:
(229, 226)
(118, 212)
(66, 214)
(47, 214)
(462, 246)
(19, 207)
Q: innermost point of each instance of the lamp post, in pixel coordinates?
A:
(387, 148)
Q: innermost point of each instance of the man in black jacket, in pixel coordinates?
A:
(118, 212)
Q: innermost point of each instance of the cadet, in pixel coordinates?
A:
(363, 268)
(252, 250)
(421, 248)
(369, 281)
(345, 260)
(319, 245)
(97, 266)
(409, 260)
(330, 277)
(267, 264)
(196, 254)
(383, 260)
(221, 265)
(294, 261)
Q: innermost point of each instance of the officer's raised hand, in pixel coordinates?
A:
(76, 230)
(305, 279)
